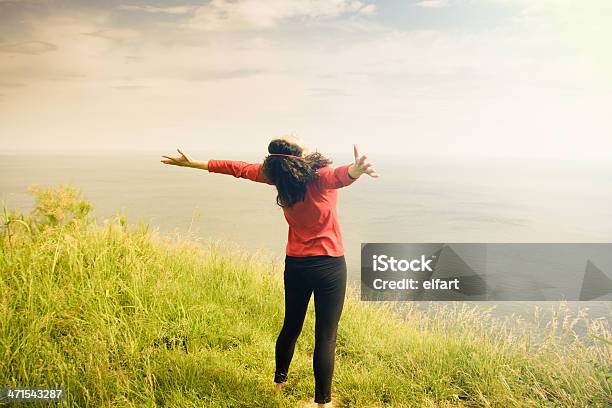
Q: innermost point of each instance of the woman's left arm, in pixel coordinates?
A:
(185, 161)
(240, 169)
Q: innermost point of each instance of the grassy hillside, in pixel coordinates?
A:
(124, 317)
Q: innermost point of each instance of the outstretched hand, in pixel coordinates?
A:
(182, 160)
(362, 165)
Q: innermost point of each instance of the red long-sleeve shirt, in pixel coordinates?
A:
(313, 223)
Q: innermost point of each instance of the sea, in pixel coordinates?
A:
(415, 200)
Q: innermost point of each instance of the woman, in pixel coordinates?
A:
(314, 262)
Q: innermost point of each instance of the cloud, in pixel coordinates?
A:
(226, 15)
(117, 34)
(65, 76)
(22, 1)
(432, 3)
(129, 87)
(128, 59)
(28, 47)
(216, 74)
(176, 10)
(12, 85)
(325, 92)
(367, 10)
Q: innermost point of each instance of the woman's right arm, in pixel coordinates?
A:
(361, 165)
(347, 174)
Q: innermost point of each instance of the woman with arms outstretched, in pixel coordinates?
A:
(314, 262)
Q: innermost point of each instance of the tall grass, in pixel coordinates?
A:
(121, 316)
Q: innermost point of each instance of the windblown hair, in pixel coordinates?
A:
(291, 175)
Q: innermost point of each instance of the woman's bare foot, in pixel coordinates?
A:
(311, 404)
(278, 388)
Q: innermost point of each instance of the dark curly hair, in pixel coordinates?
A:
(291, 175)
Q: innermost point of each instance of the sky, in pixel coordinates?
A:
(472, 78)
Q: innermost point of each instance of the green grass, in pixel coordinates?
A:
(122, 316)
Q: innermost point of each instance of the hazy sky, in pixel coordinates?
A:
(414, 77)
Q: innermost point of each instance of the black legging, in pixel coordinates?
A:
(326, 276)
